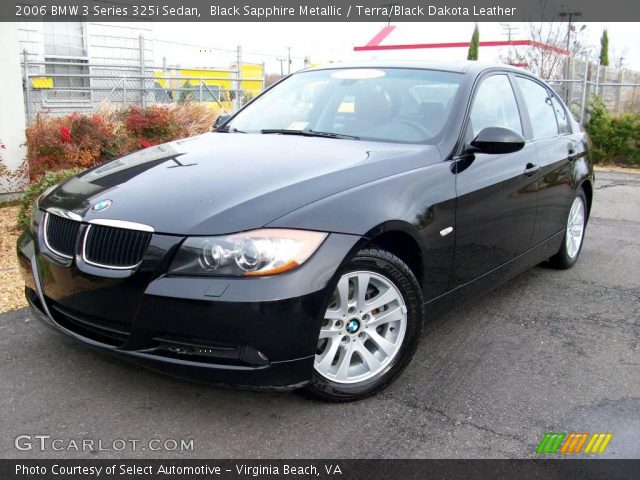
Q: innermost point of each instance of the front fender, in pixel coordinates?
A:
(420, 202)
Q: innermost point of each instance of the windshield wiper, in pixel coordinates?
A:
(333, 135)
(228, 129)
(308, 133)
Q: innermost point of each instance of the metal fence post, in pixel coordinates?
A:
(124, 92)
(597, 84)
(27, 84)
(142, 72)
(238, 101)
(619, 96)
(584, 90)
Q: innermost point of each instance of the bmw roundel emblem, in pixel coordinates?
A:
(101, 205)
(353, 326)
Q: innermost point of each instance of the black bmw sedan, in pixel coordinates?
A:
(307, 239)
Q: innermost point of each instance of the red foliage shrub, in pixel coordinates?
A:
(82, 141)
(65, 134)
(151, 126)
(57, 143)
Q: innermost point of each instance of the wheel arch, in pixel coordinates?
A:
(588, 192)
(401, 239)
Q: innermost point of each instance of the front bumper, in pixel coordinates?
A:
(244, 332)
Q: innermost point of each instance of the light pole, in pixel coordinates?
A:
(570, 16)
(390, 7)
(509, 30)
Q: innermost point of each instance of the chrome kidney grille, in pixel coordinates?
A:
(112, 247)
(105, 243)
(60, 235)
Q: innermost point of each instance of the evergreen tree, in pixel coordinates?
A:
(604, 48)
(474, 45)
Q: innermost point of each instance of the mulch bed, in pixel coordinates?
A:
(11, 284)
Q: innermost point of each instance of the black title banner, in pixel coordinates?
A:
(320, 469)
(318, 10)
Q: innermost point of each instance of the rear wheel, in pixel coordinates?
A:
(370, 330)
(569, 252)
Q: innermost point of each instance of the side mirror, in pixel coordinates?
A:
(497, 140)
(221, 120)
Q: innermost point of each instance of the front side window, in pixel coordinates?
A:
(385, 104)
(494, 105)
(540, 107)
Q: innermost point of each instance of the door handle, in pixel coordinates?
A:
(531, 168)
(572, 151)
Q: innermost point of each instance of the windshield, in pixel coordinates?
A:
(383, 104)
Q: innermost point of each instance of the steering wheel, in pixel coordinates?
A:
(415, 125)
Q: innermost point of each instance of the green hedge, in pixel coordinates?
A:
(36, 188)
(616, 139)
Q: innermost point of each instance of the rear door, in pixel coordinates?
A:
(556, 147)
(496, 194)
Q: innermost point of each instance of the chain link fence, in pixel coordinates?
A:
(619, 89)
(65, 86)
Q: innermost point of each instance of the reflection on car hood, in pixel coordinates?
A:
(227, 182)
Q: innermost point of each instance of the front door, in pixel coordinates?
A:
(496, 194)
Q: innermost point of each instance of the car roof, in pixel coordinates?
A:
(461, 66)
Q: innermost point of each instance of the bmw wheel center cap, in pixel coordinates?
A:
(353, 326)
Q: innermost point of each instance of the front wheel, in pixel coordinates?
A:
(370, 330)
(569, 252)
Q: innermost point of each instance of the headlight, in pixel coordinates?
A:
(254, 253)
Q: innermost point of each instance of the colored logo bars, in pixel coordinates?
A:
(572, 443)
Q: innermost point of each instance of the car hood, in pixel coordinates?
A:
(220, 183)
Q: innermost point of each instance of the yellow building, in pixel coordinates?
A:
(218, 87)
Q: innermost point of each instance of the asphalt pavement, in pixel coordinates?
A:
(549, 351)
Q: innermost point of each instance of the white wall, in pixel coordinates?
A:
(119, 43)
(106, 43)
(12, 119)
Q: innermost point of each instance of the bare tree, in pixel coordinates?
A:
(546, 54)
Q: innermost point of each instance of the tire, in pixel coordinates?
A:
(385, 318)
(568, 254)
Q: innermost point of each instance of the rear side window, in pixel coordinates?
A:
(494, 105)
(561, 116)
(541, 109)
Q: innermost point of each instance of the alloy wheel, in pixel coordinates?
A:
(363, 328)
(575, 228)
